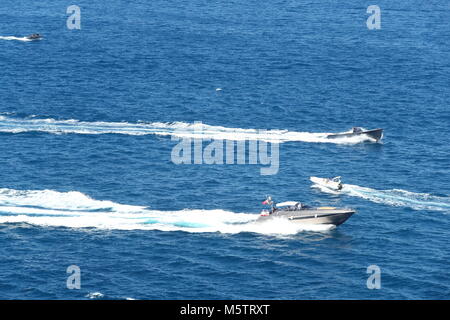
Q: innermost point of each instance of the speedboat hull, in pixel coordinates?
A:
(334, 185)
(375, 134)
(34, 36)
(325, 215)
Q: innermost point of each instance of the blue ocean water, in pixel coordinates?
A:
(86, 125)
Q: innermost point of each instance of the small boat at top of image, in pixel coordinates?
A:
(34, 36)
(375, 134)
(334, 184)
(303, 214)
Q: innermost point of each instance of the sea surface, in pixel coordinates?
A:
(89, 120)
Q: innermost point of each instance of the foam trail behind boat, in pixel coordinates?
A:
(394, 197)
(77, 210)
(177, 129)
(24, 39)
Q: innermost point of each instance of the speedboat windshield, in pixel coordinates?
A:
(288, 203)
(336, 179)
(289, 206)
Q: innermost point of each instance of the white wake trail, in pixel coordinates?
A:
(77, 210)
(394, 197)
(176, 129)
(24, 39)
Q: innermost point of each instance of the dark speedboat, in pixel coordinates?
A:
(375, 134)
(299, 213)
(34, 36)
